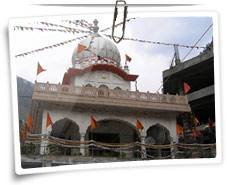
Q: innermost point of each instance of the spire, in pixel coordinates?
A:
(95, 27)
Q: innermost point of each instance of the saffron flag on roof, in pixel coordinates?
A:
(186, 88)
(80, 48)
(139, 125)
(40, 69)
(127, 58)
(179, 129)
(29, 122)
(49, 120)
(93, 123)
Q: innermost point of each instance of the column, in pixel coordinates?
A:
(82, 146)
(143, 148)
(173, 148)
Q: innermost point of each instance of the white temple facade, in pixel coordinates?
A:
(96, 85)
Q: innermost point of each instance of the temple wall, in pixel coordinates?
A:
(97, 78)
(82, 118)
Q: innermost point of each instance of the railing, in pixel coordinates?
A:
(58, 147)
(110, 93)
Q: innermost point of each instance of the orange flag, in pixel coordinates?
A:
(139, 125)
(179, 129)
(49, 120)
(80, 48)
(127, 58)
(40, 69)
(186, 88)
(93, 123)
(29, 123)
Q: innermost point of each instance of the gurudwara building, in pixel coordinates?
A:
(97, 86)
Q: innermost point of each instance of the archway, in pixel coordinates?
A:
(158, 135)
(88, 85)
(116, 132)
(66, 129)
(103, 90)
(117, 88)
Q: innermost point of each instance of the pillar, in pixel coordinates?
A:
(173, 148)
(143, 148)
(82, 146)
(44, 144)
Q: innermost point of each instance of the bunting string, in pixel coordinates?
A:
(50, 46)
(158, 43)
(85, 24)
(71, 30)
(65, 27)
(82, 23)
(79, 38)
(116, 25)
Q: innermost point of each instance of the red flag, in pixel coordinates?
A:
(29, 122)
(186, 88)
(49, 120)
(80, 48)
(139, 125)
(93, 123)
(127, 58)
(179, 129)
(40, 69)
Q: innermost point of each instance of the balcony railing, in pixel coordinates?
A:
(48, 88)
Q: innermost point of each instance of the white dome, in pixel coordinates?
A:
(99, 49)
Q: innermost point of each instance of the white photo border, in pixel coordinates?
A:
(20, 171)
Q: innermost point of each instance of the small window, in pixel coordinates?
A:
(103, 86)
(103, 90)
(117, 88)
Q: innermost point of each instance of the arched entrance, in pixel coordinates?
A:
(158, 135)
(66, 129)
(116, 132)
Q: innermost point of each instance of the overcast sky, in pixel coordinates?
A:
(148, 61)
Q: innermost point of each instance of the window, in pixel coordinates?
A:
(103, 90)
(103, 86)
(117, 88)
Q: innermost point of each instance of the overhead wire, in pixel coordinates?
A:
(88, 26)
(200, 38)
